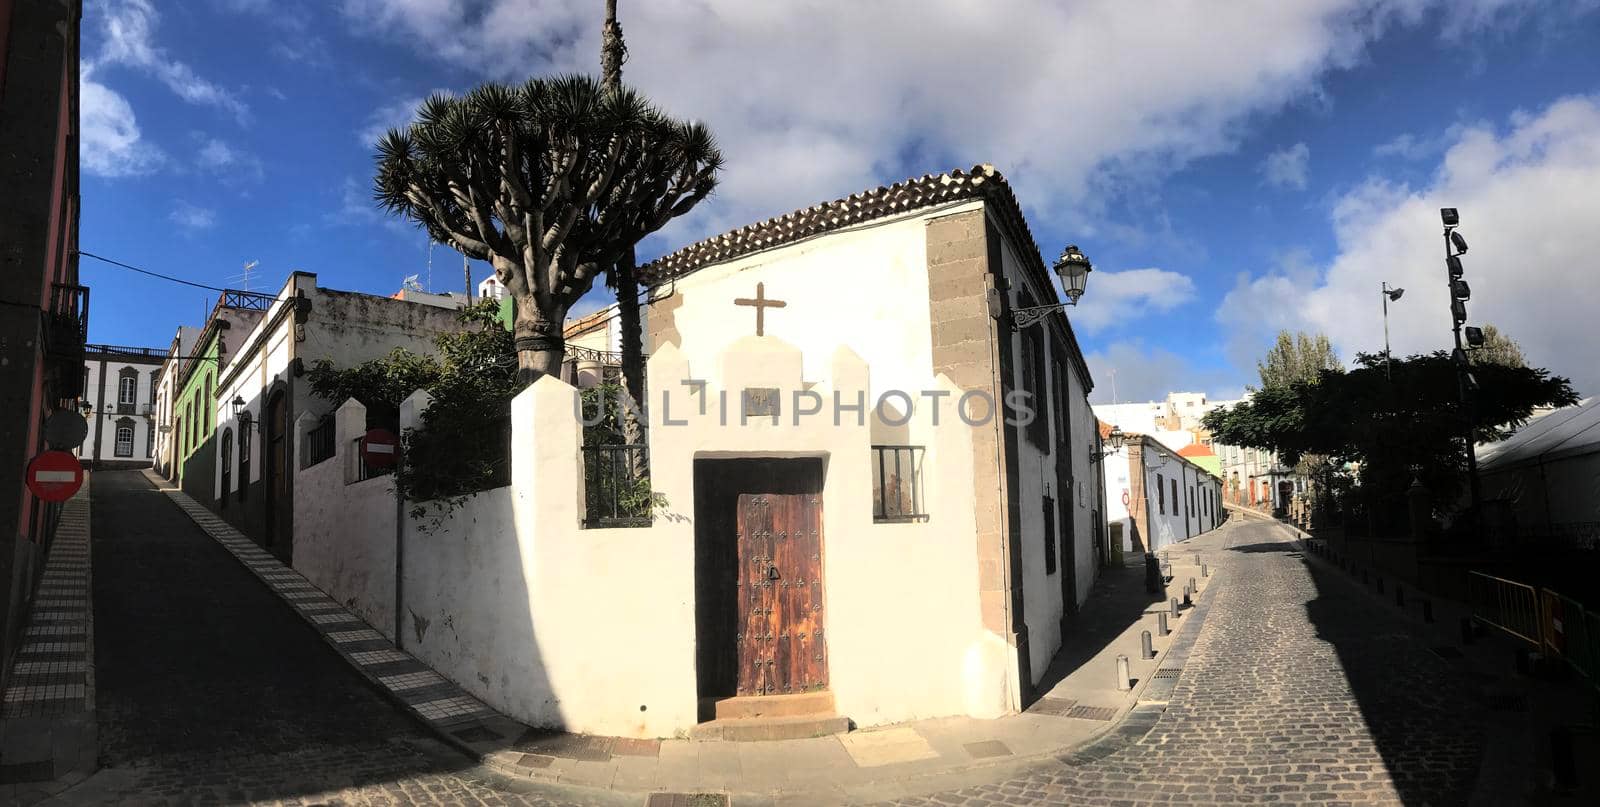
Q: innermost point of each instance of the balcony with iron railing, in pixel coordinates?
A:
(66, 323)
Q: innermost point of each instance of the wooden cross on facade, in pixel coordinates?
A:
(761, 304)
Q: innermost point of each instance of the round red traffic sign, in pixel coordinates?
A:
(1125, 497)
(380, 448)
(54, 476)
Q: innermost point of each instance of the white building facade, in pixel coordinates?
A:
(261, 391)
(183, 343)
(1157, 498)
(119, 392)
(876, 491)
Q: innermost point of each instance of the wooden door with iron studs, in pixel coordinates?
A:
(781, 645)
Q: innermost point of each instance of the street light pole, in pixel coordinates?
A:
(1388, 294)
(1458, 317)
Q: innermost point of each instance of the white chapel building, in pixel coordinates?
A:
(952, 599)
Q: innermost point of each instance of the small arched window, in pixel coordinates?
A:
(227, 467)
(245, 431)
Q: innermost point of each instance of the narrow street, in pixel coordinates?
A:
(1300, 689)
(211, 691)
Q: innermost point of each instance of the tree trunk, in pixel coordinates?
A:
(632, 347)
(539, 342)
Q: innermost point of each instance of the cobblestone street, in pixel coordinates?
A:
(210, 691)
(1301, 690)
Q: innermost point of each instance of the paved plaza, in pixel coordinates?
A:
(1299, 688)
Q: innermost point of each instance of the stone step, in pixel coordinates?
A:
(771, 728)
(801, 704)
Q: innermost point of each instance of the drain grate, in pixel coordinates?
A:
(1446, 651)
(1058, 707)
(687, 800)
(1166, 672)
(1093, 712)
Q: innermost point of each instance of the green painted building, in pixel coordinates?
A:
(192, 414)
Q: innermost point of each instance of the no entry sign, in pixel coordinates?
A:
(54, 476)
(380, 448)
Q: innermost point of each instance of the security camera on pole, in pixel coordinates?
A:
(1454, 247)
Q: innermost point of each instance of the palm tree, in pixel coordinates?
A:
(552, 182)
(623, 278)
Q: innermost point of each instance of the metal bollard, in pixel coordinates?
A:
(1161, 624)
(1427, 611)
(1123, 684)
(1380, 585)
(1399, 595)
(1205, 571)
(1188, 597)
(1363, 577)
(1146, 648)
(1466, 630)
(1174, 607)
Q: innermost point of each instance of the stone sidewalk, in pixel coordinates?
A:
(47, 725)
(1080, 712)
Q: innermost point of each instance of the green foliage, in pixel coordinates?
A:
(462, 447)
(1297, 358)
(621, 475)
(1415, 420)
(1498, 349)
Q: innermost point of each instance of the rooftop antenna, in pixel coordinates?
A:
(430, 265)
(244, 278)
(466, 269)
(410, 284)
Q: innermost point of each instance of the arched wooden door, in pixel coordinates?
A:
(276, 468)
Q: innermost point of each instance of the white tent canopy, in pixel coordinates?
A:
(1548, 475)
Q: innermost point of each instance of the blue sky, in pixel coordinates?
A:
(1231, 169)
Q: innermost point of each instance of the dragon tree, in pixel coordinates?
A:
(551, 182)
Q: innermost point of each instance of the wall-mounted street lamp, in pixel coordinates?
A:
(1073, 269)
(239, 412)
(1114, 442)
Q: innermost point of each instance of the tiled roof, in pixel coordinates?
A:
(981, 182)
(1105, 429)
(1196, 450)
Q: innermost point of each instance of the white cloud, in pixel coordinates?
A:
(1120, 296)
(128, 27)
(1528, 207)
(1127, 372)
(110, 143)
(192, 218)
(396, 115)
(1288, 167)
(218, 157)
(1076, 102)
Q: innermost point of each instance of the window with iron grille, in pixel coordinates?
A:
(319, 444)
(616, 486)
(897, 484)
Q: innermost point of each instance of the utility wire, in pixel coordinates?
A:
(148, 272)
